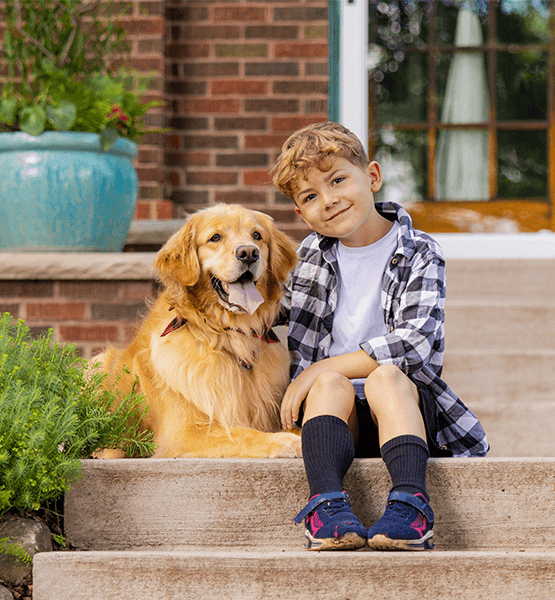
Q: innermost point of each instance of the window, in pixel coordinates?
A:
(461, 111)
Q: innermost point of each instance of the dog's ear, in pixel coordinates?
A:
(283, 256)
(177, 262)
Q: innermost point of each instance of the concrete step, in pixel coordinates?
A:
(190, 504)
(526, 429)
(521, 280)
(239, 575)
(506, 375)
(499, 326)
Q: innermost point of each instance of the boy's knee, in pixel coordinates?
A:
(388, 379)
(333, 384)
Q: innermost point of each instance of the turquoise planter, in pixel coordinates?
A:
(59, 192)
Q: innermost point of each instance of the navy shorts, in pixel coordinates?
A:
(368, 446)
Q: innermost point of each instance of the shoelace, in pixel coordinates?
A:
(403, 510)
(333, 507)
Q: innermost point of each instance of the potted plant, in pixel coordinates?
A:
(69, 122)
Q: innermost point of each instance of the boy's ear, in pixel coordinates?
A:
(298, 211)
(375, 173)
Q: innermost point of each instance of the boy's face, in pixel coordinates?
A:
(339, 202)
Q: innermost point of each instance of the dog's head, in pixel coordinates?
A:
(227, 254)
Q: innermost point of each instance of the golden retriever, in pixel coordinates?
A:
(208, 363)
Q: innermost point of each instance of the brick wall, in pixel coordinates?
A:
(240, 77)
(90, 314)
(144, 21)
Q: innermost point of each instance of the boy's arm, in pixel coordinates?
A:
(354, 365)
(418, 321)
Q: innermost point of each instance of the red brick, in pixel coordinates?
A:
(183, 159)
(301, 50)
(89, 333)
(211, 32)
(144, 26)
(136, 290)
(144, 210)
(209, 106)
(257, 178)
(188, 50)
(33, 289)
(239, 86)
(163, 209)
(212, 178)
(264, 141)
(241, 197)
(66, 311)
(107, 290)
(239, 13)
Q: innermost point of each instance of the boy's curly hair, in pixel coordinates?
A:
(309, 147)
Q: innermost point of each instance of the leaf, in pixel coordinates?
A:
(108, 138)
(8, 108)
(32, 120)
(63, 115)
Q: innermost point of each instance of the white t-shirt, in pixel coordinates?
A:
(359, 313)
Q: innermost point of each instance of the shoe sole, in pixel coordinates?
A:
(382, 542)
(348, 541)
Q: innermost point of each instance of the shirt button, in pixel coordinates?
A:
(394, 261)
(391, 328)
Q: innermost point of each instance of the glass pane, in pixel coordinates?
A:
(462, 88)
(522, 170)
(451, 31)
(401, 89)
(399, 23)
(402, 156)
(462, 165)
(522, 21)
(521, 84)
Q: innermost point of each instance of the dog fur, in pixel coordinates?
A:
(212, 378)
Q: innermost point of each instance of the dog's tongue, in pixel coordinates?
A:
(245, 295)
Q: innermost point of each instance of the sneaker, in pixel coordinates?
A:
(330, 523)
(406, 524)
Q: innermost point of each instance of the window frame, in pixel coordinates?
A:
(529, 214)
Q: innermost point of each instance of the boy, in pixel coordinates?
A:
(366, 304)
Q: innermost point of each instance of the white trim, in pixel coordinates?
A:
(497, 245)
(353, 73)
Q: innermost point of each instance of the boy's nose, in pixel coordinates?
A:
(328, 199)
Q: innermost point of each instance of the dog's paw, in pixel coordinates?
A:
(286, 445)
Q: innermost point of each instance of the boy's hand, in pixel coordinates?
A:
(295, 395)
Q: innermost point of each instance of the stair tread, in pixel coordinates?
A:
(213, 574)
(488, 504)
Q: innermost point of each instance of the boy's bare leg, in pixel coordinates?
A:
(394, 401)
(332, 394)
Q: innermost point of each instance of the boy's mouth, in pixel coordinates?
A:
(338, 213)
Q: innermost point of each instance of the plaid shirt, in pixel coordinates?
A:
(413, 300)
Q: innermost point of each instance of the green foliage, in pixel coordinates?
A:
(14, 549)
(53, 412)
(60, 56)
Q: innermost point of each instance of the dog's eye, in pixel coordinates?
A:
(256, 235)
(215, 238)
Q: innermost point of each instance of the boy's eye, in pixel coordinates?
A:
(338, 179)
(309, 197)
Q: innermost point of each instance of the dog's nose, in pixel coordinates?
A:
(247, 254)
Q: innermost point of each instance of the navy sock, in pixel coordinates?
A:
(328, 451)
(406, 458)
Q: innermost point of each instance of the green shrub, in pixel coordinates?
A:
(54, 412)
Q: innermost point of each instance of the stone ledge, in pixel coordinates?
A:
(75, 265)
